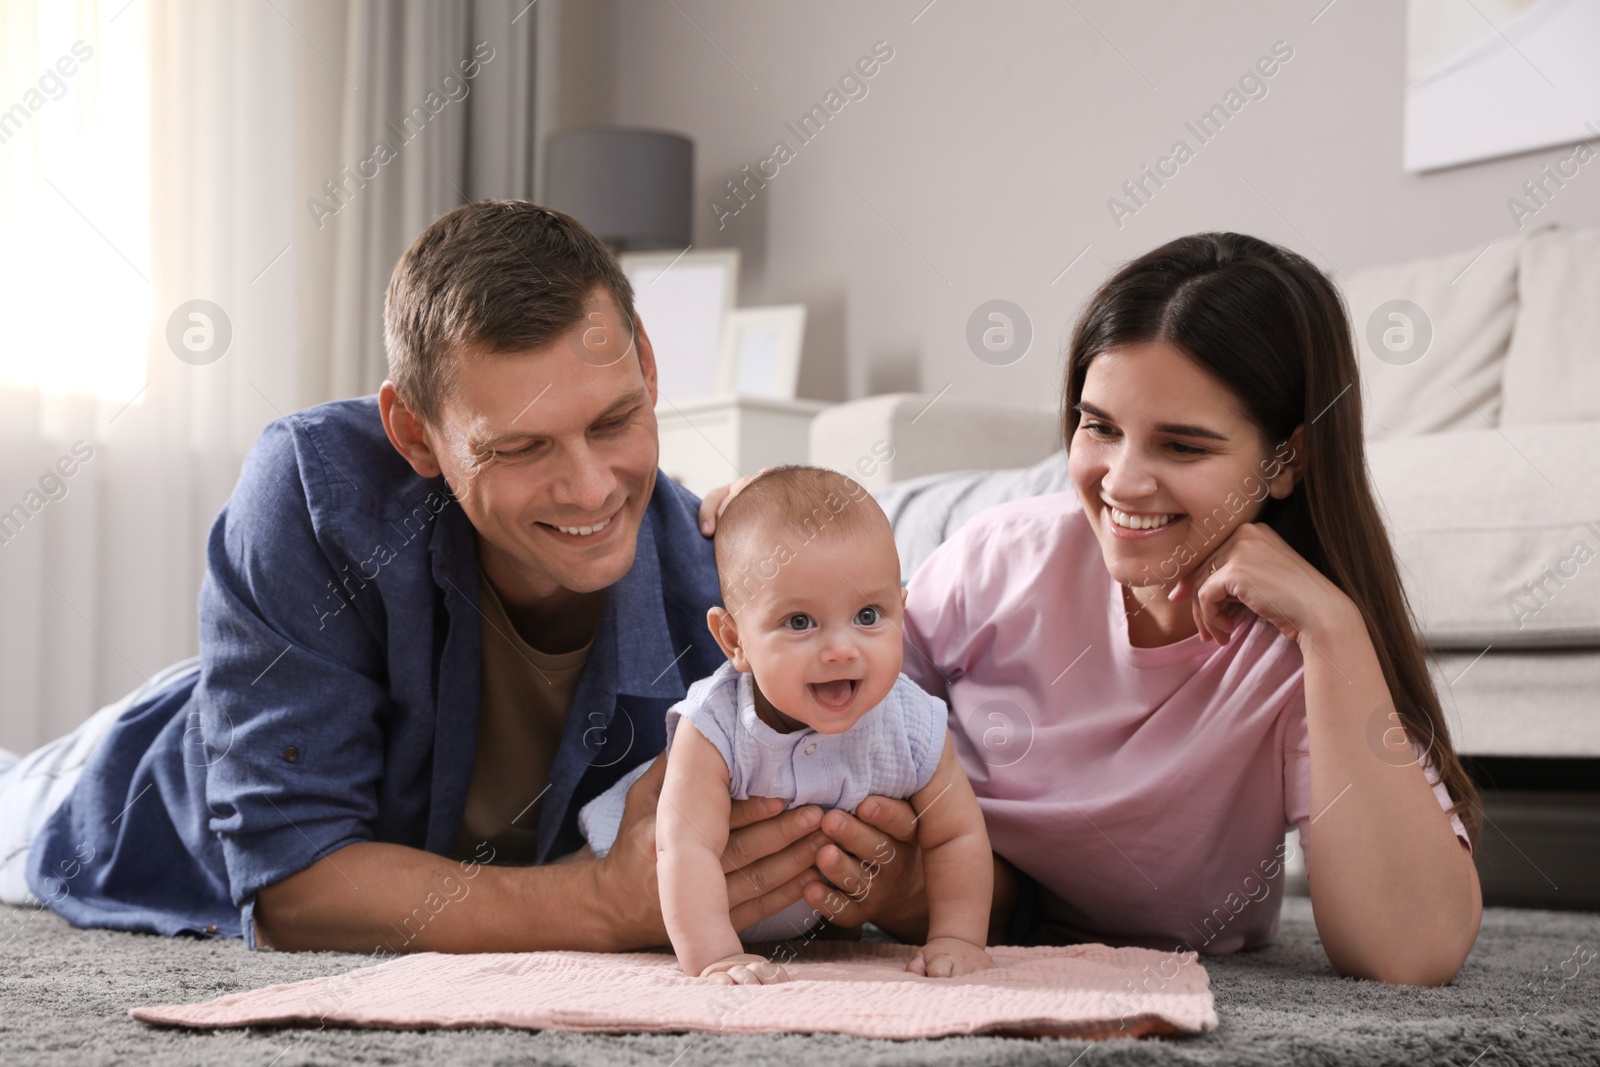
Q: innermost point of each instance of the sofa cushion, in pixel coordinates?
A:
(1497, 533)
(1435, 366)
(1552, 371)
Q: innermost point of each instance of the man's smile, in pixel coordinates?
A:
(585, 533)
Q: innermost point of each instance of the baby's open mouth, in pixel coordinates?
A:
(834, 694)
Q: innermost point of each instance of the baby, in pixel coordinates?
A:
(811, 707)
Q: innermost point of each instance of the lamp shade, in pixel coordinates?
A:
(633, 188)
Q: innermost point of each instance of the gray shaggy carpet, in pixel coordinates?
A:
(1529, 994)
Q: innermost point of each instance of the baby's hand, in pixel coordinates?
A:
(946, 957)
(746, 968)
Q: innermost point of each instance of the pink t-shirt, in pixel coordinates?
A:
(1146, 790)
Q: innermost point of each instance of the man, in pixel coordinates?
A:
(434, 623)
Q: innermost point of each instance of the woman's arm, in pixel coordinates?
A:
(1394, 893)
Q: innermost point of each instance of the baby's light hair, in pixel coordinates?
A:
(781, 510)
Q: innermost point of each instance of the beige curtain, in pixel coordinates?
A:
(444, 115)
(258, 223)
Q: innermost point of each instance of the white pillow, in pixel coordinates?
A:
(1467, 304)
(1553, 367)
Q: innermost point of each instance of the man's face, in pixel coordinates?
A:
(552, 453)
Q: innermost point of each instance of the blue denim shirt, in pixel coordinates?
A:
(336, 695)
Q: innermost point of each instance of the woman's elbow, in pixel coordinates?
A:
(1414, 963)
(1417, 972)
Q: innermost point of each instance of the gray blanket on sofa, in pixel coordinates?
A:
(924, 511)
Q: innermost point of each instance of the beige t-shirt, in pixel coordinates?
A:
(522, 710)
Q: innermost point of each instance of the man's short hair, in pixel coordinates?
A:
(498, 275)
(777, 514)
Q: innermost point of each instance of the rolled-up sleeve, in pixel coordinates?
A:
(292, 690)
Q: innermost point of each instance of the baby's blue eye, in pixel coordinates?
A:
(797, 622)
(867, 617)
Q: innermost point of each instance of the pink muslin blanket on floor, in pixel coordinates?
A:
(1086, 991)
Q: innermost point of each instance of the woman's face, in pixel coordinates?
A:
(1166, 463)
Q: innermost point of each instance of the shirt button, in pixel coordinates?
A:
(810, 748)
(291, 754)
(211, 929)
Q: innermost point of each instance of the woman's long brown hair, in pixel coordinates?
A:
(1270, 327)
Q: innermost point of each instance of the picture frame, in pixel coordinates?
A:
(683, 299)
(761, 351)
(1473, 92)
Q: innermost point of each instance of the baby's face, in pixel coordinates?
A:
(822, 637)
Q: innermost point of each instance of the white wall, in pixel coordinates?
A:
(992, 141)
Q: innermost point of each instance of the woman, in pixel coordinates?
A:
(1204, 641)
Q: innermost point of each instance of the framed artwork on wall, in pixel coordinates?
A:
(683, 300)
(761, 351)
(1486, 80)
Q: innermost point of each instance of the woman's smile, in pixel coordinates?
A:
(1126, 523)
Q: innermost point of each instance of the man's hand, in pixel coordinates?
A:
(769, 859)
(716, 501)
(947, 957)
(366, 896)
(874, 859)
(745, 968)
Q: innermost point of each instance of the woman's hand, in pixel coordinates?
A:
(948, 957)
(716, 501)
(768, 861)
(745, 968)
(1257, 568)
(876, 863)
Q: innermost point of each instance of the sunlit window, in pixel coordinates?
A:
(74, 197)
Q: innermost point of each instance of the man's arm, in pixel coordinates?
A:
(374, 897)
(369, 897)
